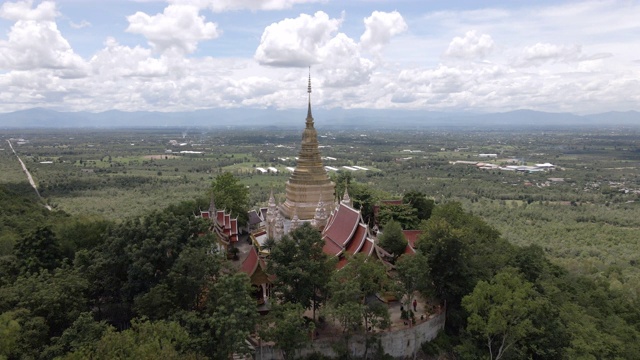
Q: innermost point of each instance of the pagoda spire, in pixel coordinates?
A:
(309, 181)
(309, 116)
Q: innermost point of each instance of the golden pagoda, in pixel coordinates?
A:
(309, 183)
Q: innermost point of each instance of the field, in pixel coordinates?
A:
(585, 212)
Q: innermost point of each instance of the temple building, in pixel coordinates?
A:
(309, 184)
(222, 225)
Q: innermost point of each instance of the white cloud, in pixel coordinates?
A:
(179, 27)
(471, 46)
(343, 66)
(253, 5)
(296, 42)
(35, 42)
(541, 53)
(380, 27)
(82, 24)
(22, 10)
(308, 40)
(536, 57)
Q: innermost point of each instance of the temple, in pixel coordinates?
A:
(346, 234)
(309, 184)
(222, 225)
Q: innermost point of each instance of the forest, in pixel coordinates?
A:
(529, 266)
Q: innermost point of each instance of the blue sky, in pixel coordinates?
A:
(176, 55)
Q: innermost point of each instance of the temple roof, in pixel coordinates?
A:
(359, 237)
(412, 236)
(331, 248)
(251, 263)
(346, 234)
(254, 218)
(342, 225)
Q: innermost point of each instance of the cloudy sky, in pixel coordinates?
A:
(176, 55)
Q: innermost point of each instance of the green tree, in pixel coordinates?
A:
(83, 333)
(27, 340)
(501, 312)
(302, 270)
(419, 201)
(9, 333)
(58, 298)
(230, 194)
(81, 233)
(233, 316)
(404, 214)
(393, 240)
(461, 249)
(287, 328)
(412, 275)
(447, 257)
(353, 300)
(144, 340)
(137, 256)
(38, 250)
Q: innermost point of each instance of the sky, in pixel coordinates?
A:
(459, 55)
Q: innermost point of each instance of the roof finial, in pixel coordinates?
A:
(309, 88)
(309, 117)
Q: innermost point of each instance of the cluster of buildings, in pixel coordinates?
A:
(518, 168)
(310, 198)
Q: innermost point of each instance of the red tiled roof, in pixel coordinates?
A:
(204, 214)
(250, 264)
(367, 247)
(227, 221)
(343, 225)
(234, 230)
(332, 217)
(331, 248)
(358, 239)
(220, 217)
(412, 236)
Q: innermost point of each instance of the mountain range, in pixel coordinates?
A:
(332, 118)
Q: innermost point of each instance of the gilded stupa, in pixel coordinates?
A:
(309, 184)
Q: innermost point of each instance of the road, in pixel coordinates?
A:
(29, 177)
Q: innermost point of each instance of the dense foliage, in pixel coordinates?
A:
(505, 301)
(155, 278)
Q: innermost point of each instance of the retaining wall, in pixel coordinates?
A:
(401, 343)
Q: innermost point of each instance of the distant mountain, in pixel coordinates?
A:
(325, 118)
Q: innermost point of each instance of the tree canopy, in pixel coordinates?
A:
(419, 201)
(393, 240)
(230, 194)
(302, 270)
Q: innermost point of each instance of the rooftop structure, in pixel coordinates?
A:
(222, 225)
(346, 234)
(309, 182)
